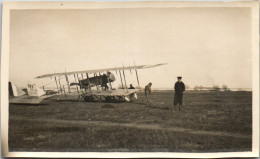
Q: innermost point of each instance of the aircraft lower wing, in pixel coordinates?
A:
(102, 70)
(119, 92)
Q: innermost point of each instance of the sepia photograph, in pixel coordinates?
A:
(139, 78)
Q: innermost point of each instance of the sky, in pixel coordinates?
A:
(206, 46)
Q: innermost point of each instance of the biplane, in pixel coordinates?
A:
(101, 81)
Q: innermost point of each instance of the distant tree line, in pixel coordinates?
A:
(213, 88)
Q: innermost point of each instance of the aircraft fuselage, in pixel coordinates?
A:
(99, 80)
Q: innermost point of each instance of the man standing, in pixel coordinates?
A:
(104, 81)
(148, 92)
(179, 88)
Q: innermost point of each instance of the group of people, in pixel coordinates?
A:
(179, 88)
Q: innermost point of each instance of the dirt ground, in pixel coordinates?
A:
(208, 122)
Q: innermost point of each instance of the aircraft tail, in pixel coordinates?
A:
(15, 91)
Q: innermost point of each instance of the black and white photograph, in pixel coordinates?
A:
(170, 78)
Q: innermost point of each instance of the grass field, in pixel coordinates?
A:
(208, 122)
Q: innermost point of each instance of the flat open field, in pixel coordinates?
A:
(208, 122)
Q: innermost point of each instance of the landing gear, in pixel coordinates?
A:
(110, 99)
(88, 98)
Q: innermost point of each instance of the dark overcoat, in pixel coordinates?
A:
(179, 88)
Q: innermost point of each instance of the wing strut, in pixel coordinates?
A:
(76, 81)
(57, 84)
(64, 90)
(60, 87)
(137, 76)
(79, 83)
(121, 79)
(95, 75)
(125, 79)
(68, 83)
(88, 82)
(109, 82)
(82, 76)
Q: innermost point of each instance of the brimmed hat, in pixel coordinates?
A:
(179, 77)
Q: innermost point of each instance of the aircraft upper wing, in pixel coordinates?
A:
(101, 70)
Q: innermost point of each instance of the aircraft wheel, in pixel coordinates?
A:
(88, 98)
(109, 99)
(121, 99)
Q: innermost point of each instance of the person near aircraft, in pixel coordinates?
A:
(131, 87)
(179, 88)
(104, 81)
(148, 92)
